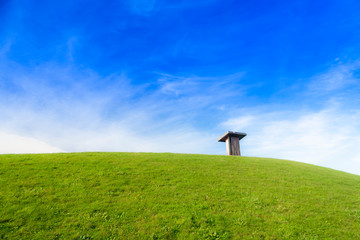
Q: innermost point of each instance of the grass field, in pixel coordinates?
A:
(173, 196)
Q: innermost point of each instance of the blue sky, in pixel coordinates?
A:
(173, 76)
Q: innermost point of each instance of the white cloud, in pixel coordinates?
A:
(88, 131)
(10, 143)
(322, 128)
(52, 108)
(328, 137)
(199, 92)
(72, 110)
(336, 78)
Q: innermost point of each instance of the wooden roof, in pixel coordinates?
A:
(228, 134)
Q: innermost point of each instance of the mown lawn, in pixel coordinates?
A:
(173, 196)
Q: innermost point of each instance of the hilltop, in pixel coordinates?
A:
(173, 196)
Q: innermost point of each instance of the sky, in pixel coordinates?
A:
(173, 76)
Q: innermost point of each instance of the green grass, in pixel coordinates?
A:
(173, 196)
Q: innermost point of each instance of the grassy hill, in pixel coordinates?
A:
(173, 196)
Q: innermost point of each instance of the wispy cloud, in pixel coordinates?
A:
(73, 109)
(54, 108)
(327, 135)
(10, 143)
(199, 92)
(336, 78)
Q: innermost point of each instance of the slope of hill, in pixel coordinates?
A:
(174, 196)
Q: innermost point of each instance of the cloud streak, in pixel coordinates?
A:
(326, 135)
(54, 108)
(78, 110)
(10, 143)
(336, 78)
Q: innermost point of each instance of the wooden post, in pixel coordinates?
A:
(232, 140)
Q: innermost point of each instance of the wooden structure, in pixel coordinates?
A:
(232, 140)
